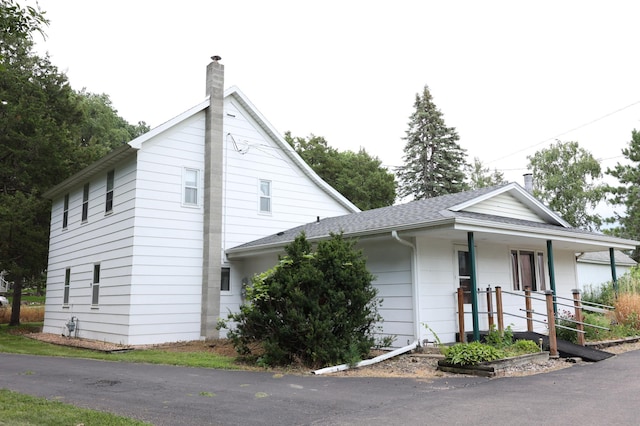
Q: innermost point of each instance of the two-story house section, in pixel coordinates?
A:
(138, 238)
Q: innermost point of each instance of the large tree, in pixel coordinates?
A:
(627, 192)
(482, 177)
(567, 178)
(47, 132)
(434, 162)
(356, 175)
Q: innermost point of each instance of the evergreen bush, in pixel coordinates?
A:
(314, 307)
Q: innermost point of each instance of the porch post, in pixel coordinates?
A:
(614, 278)
(474, 287)
(552, 275)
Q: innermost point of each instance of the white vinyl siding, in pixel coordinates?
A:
(505, 205)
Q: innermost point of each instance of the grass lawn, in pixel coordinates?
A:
(17, 409)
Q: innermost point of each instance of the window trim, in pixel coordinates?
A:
(268, 197)
(108, 201)
(197, 187)
(467, 297)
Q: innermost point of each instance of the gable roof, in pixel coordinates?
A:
(130, 148)
(449, 211)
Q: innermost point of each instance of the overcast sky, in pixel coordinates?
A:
(509, 76)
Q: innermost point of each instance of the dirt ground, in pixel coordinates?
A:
(417, 364)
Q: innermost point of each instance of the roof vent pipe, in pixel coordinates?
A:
(528, 182)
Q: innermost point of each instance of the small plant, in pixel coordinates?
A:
(499, 340)
(522, 347)
(472, 353)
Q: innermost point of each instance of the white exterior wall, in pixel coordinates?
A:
(167, 270)
(295, 198)
(596, 274)
(106, 239)
(438, 281)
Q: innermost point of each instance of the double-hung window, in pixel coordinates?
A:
(108, 205)
(95, 294)
(85, 202)
(265, 196)
(225, 279)
(67, 283)
(65, 212)
(191, 179)
(527, 269)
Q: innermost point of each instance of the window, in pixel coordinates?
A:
(108, 206)
(225, 280)
(464, 274)
(265, 196)
(95, 295)
(527, 269)
(85, 202)
(67, 281)
(65, 212)
(191, 187)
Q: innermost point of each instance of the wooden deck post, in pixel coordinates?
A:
(463, 336)
(490, 307)
(577, 303)
(499, 311)
(528, 308)
(551, 320)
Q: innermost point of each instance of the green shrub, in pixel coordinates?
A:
(317, 308)
(522, 347)
(499, 340)
(472, 353)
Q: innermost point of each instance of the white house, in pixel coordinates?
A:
(138, 239)
(154, 242)
(422, 251)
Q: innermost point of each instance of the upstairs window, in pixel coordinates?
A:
(85, 202)
(265, 196)
(191, 178)
(527, 269)
(108, 206)
(65, 212)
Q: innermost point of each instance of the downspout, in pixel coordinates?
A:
(552, 275)
(414, 284)
(614, 277)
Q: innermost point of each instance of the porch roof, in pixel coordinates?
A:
(442, 217)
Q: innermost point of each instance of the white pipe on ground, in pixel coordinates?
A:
(366, 362)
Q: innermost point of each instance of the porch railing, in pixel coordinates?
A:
(549, 318)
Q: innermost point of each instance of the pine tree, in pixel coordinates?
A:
(628, 192)
(434, 162)
(482, 177)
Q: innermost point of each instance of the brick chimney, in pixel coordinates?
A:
(212, 246)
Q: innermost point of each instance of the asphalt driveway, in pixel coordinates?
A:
(602, 393)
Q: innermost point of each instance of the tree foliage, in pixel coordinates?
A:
(565, 177)
(44, 129)
(482, 177)
(627, 192)
(316, 307)
(360, 177)
(434, 162)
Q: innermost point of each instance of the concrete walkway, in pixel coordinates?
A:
(591, 394)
